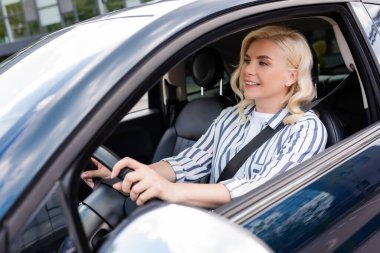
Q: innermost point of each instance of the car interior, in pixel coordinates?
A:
(182, 105)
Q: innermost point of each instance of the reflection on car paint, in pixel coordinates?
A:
(312, 210)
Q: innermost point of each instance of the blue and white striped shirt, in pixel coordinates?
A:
(228, 135)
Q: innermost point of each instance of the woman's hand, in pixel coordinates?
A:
(143, 183)
(100, 172)
(157, 181)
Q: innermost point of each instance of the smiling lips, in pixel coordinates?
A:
(251, 83)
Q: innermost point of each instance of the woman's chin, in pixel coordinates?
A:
(251, 94)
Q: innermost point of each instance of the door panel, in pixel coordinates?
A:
(334, 213)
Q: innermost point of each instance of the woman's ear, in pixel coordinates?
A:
(292, 78)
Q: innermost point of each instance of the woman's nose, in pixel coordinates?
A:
(250, 69)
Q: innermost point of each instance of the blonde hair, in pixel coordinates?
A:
(299, 58)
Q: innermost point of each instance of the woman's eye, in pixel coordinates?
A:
(263, 63)
(247, 61)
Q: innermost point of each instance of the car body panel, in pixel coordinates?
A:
(320, 204)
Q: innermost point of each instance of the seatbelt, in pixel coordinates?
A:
(239, 159)
(348, 78)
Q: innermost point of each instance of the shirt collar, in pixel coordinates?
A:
(273, 122)
(248, 110)
(277, 119)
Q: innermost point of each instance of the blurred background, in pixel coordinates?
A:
(24, 21)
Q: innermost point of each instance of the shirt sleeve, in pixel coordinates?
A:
(195, 162)
(307, 138)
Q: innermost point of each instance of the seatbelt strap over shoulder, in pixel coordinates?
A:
(239, 159)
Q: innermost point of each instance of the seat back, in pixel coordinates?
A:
(334, 128)
(191, 123)
(198, 114)
(343, 112)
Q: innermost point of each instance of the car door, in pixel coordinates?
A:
(337, 212)
(330, 203)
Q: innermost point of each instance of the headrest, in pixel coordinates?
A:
(207, 67)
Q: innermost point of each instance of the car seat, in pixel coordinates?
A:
(197, 115)
(339, 109)
(343, 112)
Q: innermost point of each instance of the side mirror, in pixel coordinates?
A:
(175, 228)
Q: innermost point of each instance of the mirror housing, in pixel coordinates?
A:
(175, 228)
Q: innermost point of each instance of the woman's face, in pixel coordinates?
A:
(265, 75)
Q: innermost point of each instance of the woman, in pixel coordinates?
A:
(273, 81)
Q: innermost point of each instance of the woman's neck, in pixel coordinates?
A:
(267, 107)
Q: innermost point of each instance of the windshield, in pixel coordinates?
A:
(35, 75)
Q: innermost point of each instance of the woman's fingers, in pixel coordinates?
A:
(118, 186)
(100, 172)
(145, 196)
(88, 176)
(143, 183)
(89, 182)
(126, 162)
(137, 189)
(130, 179)
(138, 173)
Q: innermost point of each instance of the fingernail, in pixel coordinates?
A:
(84, 175)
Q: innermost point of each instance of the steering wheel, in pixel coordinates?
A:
(105, 207)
